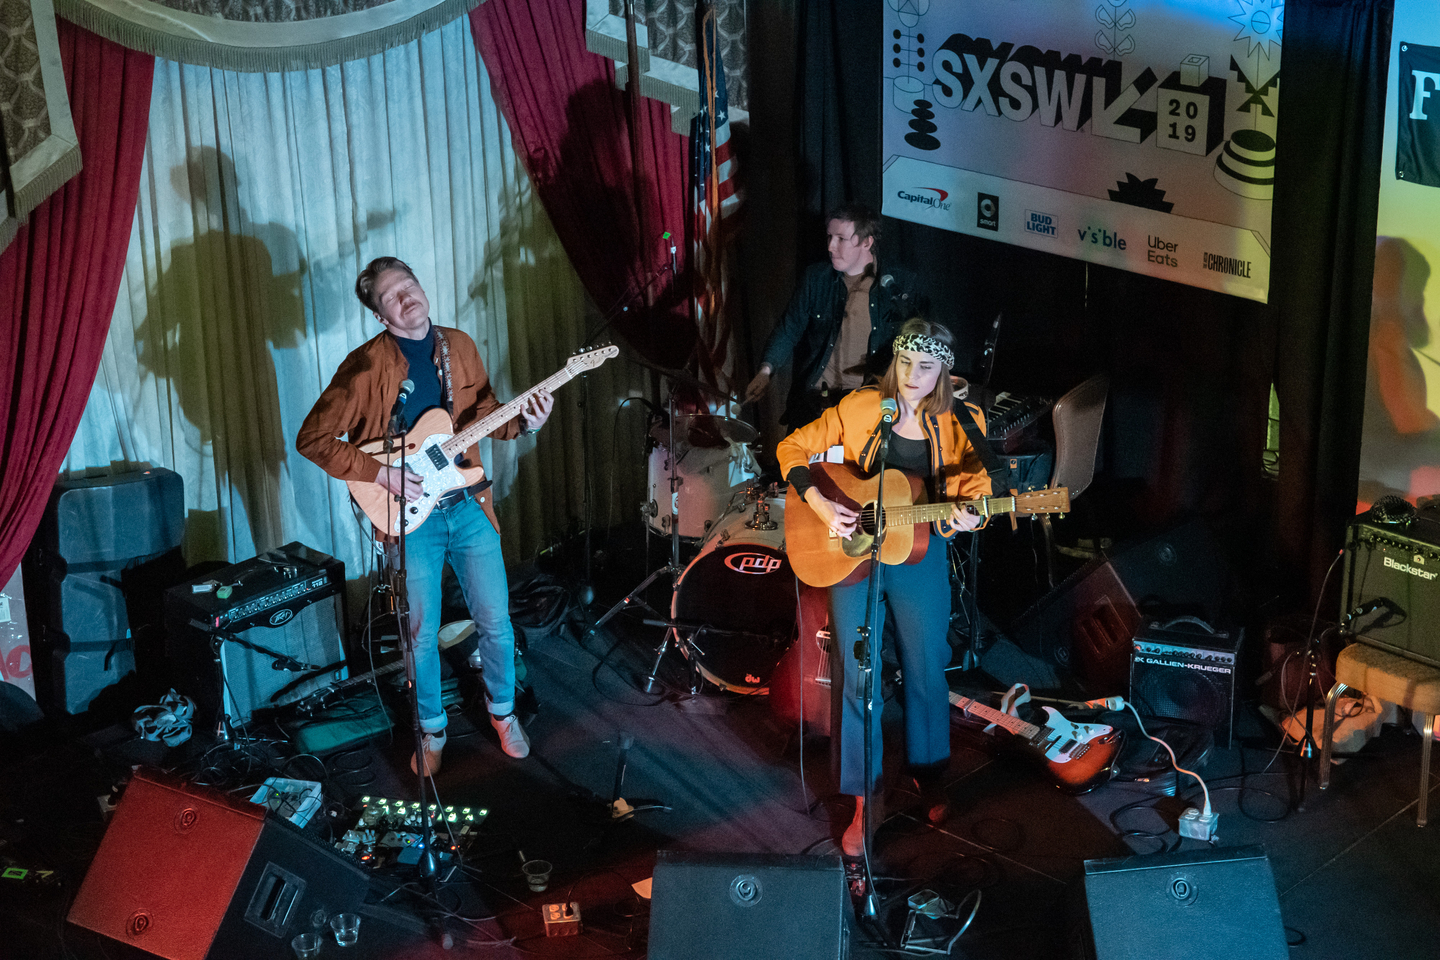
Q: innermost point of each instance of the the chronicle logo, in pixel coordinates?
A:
(938, 201)
(1041, 223)
(987, 211)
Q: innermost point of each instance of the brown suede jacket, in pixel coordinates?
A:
(855, 423)
(357, 403)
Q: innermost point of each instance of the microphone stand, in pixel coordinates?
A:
(865, 656)
(428, 865)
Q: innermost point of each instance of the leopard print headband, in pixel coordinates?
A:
(924, 344)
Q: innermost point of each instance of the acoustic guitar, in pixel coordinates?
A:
(432, 447)
(822, 559)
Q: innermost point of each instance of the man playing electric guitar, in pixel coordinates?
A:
(928, 442)
(444, 370)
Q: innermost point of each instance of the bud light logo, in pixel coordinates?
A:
(987, 211)
(760, 563)
(280, 616)
(1041, 224)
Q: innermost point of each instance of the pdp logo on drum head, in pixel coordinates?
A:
(745, 561)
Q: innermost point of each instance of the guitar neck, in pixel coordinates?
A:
(484, 427)
(930, 512)
(1014, 724)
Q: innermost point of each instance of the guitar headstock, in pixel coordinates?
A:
(1052, 500)
(590, 359)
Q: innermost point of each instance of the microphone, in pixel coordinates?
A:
(406, 386)
(888, 409)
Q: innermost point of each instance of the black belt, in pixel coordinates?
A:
(455, 496)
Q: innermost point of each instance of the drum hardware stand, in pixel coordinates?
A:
(635, 597)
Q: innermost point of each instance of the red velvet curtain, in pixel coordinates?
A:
(59, 278)
(571, 124)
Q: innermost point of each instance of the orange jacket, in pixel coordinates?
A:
(855, 424)
(357, 403)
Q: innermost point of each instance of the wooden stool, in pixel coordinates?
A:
(1386, 676)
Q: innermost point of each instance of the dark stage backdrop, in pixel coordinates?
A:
(1191, 370)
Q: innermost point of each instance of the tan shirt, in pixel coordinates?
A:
(846, 368)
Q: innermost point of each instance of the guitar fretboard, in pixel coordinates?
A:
(483, 428)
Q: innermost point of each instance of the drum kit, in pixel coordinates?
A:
(732, 607)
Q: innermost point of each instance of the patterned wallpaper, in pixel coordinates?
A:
(269, 11)
(22, 90)
(671, 24)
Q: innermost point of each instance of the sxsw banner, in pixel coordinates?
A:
(1138, 134)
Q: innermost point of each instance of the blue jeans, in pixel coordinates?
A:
(463, 535)
(918, 597)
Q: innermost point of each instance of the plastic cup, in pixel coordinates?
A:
(346, 927)
(306, 945)
(537, 874)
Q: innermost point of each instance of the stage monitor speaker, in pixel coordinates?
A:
(281, 627)
(737, 906)
(1184, 669)
(188, 873)
(1085, 624)
(106, 549)
(1211, 905)
(1182, 571)
(1391, 593)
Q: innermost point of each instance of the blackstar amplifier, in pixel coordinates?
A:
(1184, 669)
(1391, 595)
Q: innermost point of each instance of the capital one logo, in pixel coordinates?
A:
(758, 563)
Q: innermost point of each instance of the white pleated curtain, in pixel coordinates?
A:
(261, 198)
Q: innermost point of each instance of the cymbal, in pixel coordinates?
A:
(706, 430)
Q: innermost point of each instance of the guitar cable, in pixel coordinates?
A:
(1206, 817)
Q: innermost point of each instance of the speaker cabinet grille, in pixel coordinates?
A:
(1213, 905)
(187, 873)
(1183, 671)
(743, 906)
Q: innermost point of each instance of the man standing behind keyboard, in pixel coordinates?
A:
(446, 371)
(841, 321)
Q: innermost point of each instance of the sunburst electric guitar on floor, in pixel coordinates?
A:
(1078, 756)
(431, 449)
(822, 559)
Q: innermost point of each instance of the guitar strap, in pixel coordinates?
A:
(1011, 702)
(994, 466)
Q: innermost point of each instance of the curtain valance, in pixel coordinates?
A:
(262, 36)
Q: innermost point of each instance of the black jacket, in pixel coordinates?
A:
(807, 332)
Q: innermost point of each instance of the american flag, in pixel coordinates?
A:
(713, 196)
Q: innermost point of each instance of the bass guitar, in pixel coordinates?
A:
(431, 449)
(822, 559)
(1078, 755)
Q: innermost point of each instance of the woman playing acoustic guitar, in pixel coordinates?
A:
(927, 442)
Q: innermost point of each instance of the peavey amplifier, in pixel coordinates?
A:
(280, 620)
(1184, 669)
(1391, 596)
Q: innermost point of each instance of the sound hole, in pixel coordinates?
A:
(867, 519)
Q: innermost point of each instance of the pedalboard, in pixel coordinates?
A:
(391, 831)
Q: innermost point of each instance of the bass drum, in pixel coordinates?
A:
(740, 590)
